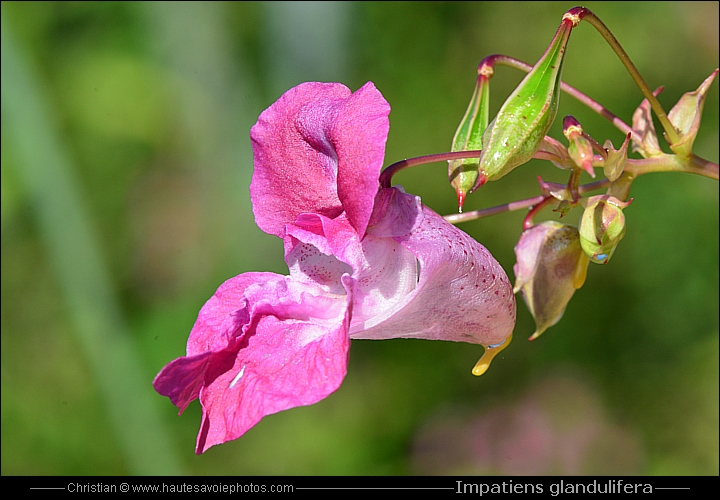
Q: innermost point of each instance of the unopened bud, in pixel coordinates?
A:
(550, 266)
(616, 159)
(579, 147)
(685, 117)
(602, 227)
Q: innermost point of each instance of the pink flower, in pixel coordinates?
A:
(365, 263)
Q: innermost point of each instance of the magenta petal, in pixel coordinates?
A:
(222, 317)
(216, 331)
(318, 149)
(182, 379)
(462, 294)
(360, 133)
(296, 354)
(263, 343)
(395, 213)
(335, 238)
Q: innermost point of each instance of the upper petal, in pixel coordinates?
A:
(462, 292)
(318, 149)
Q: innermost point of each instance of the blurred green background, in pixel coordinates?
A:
(125, 170)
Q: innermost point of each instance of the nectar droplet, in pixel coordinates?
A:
(490, 352)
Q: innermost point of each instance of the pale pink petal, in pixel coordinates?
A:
(318, 149)
(527, 251)
(394, 213)
(321, 250)
(462, 294)
(385, 281)
(314, 241)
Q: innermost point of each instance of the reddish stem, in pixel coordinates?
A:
(528, 221)
(387, 174)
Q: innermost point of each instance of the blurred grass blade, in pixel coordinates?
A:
(64, 225)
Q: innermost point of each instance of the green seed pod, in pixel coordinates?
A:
(515, 134)
(550, 266)
(602, 227)
(463, 174)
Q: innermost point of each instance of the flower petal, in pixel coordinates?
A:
(462, 293)
(277, 344)
(216, 331)
(395, 213)
(388, 275)
(222, 317)
(318, 149)
(333, 237)
(360, 134)
(296, 354)
(182, 378)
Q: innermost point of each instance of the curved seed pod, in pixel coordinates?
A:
(515, 134)
(463, 174)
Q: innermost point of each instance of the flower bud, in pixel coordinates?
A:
(552, 150)
(463, 173)
(602, 227)
(550, 266)
(579, 147)
(685, 116)
(616, 159)
(645, 139)
(515, 134)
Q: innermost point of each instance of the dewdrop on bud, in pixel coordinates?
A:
(602, 227)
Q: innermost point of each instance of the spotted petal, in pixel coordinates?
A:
(462, 292)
